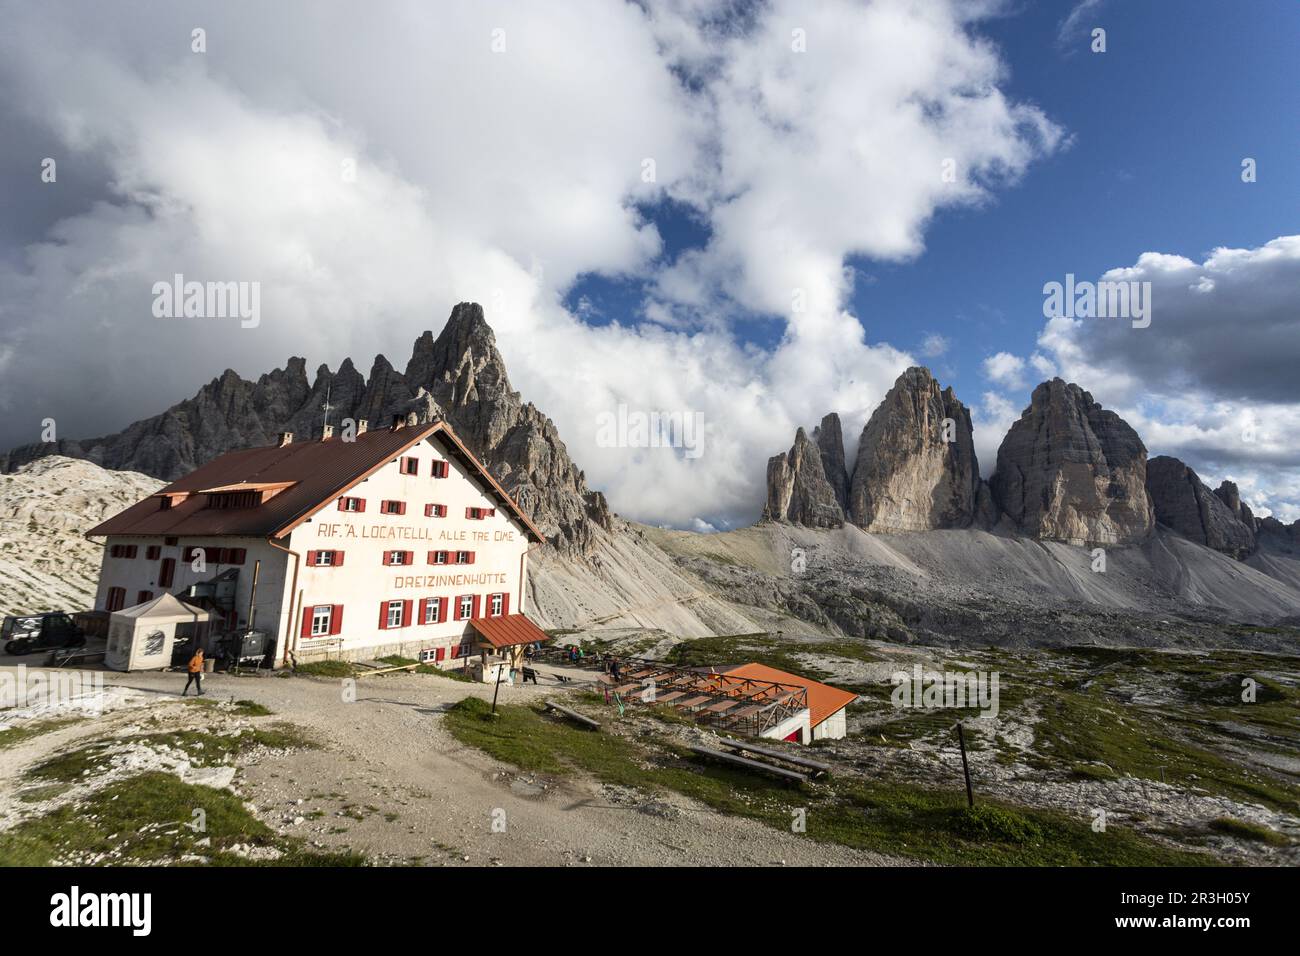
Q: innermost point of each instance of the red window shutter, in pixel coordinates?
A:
(237, 555)
(424, 606)
(153, 553)
(505, 604)
(166, 572)
(311, 558)
(410, 556)
(477, 602)
(343, 501)
(471, 558)
(440, 653)
(306, 621)
(428, 511)
(388, 558)
(401, 507)
(336, 619)
(406, 612)
(338, 559)
(442, 610)
(469, 512)
(383, 615)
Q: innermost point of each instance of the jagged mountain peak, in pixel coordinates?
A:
(458, 375)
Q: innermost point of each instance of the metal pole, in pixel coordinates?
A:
(965, 767)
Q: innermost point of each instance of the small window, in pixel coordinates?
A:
(496, 604)
(392, 507)
(171, 542)
(464, 607)
(323, 559)
(438, 469)
(394, 613)
(153, 552)
(116, 599)
(143, 596)
(352, 504)
(435, 511)
(437, 557)
(321, 615)
(410, 466)
(398, 557)
(432, 610)
(464, 557)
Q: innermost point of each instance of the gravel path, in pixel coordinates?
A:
(393, 784)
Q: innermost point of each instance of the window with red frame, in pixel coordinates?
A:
(357, 505)
(438, 557)
(322, 620)
(399, 557)
(464, 557)
(392, 507)
(435, 511)
(324, 559)
(116, 599)
(409, 465)
(439, 469)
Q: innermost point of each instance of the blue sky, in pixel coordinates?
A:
(1158, 126)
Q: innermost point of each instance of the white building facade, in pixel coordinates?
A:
(391, 543)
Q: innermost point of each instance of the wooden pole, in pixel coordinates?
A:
(965, 766)
(496, 690)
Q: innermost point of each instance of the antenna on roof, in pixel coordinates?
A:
(326, 431)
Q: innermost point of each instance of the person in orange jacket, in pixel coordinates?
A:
(196, 673)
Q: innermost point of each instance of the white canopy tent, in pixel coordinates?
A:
(141, 637)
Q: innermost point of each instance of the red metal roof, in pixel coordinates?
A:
(823, 700)
(509, 630)
(314, 474)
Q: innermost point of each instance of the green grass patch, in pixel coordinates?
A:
(251, 708)
(1245, 830)
(148, 820)
(897, 819)
(11, 736)
(327, 669)
(201, 748)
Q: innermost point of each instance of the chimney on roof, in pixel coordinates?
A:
(362, 425)
(412, 419)
(326, 431)
(286, 438)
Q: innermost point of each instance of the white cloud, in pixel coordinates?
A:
(501, 177)
(935, 345)
(1005, 369)
(1212, 380)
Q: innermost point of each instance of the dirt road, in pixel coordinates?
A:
(392, 783)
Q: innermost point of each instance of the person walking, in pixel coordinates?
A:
(196, 672)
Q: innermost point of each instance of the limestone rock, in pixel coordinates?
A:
(459, 375)
(829, 436)
(1070, 470)
(797, 488)
(1228, 493)
(913, 473)
(1184, 503)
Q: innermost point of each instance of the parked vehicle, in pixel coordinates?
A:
(23, 634)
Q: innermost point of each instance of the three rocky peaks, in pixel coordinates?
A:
(1067, 470)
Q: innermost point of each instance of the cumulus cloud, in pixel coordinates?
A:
(1212, 380)
(500, 152)
(934, 345)
(1005, 369)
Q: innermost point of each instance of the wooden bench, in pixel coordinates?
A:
(789, 776)
(817, 767)
(573, 715)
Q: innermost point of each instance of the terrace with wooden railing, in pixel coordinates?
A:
(738, 704)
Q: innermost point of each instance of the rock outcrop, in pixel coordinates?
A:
(1184, 503)
(1072, 471)
(459, 375)
(797, 487)
(916, 468)
(829, 436)
(1228, 493)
